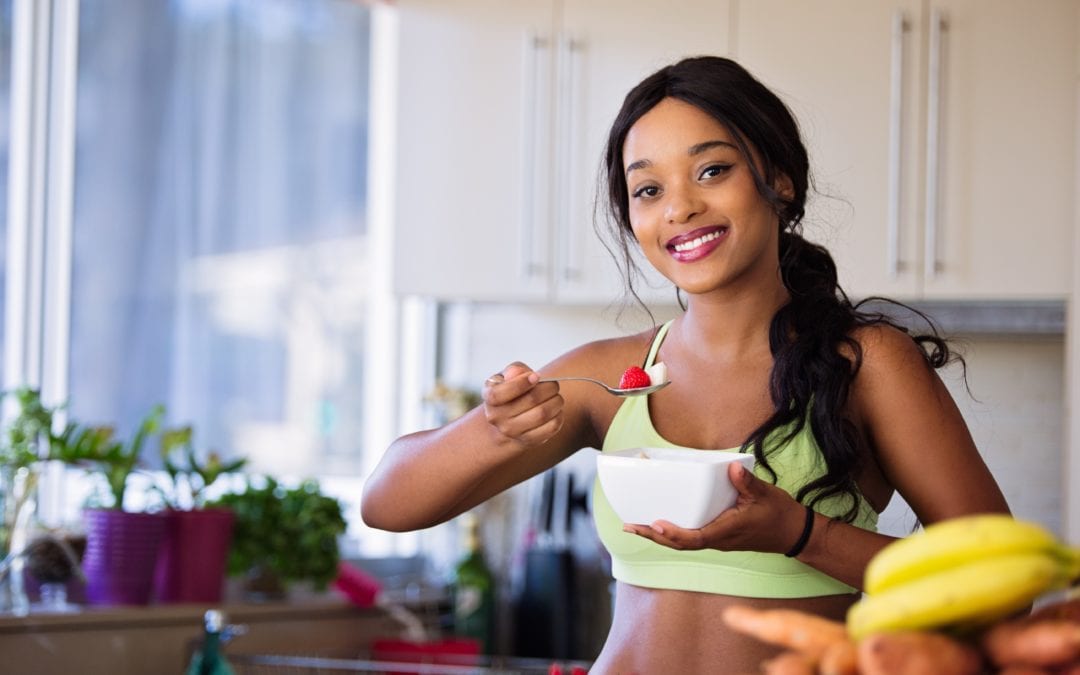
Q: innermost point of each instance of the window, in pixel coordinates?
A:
(5, 128)
(216, 256)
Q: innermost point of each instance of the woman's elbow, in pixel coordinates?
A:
(380, 513)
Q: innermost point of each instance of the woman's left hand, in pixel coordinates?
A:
(764, 518)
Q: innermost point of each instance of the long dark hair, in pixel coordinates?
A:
(815, 356)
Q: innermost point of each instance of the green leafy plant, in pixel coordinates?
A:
(189, 476)
(32, 424)
(290, 532)
(96, 450)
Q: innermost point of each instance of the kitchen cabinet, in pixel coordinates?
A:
(942, 134)
(502, 113)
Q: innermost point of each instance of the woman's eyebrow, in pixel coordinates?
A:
(702, 147)
(694, 150)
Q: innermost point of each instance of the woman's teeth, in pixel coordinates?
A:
(690, 245)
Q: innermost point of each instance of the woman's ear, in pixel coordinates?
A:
(784, 187)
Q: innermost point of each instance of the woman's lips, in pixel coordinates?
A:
(696, 244)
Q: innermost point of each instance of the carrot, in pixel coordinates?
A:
(1049, 642)
(1066, 610)
(839, 658)
(789, 663)
(916, 653)
(806, 633)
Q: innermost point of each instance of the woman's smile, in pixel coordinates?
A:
(697, 244)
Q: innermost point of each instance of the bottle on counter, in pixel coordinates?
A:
(473, 590)
(208, 659)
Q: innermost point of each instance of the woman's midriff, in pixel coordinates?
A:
(662, 631)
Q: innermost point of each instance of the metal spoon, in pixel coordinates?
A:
(615, 391)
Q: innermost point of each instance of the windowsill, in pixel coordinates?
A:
(161, 638)
(103, 618)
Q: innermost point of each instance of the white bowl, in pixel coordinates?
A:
(686, 487)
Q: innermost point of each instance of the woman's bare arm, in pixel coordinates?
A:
(921, 445)
(522, 429)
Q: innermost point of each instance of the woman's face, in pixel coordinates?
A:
(694, 208)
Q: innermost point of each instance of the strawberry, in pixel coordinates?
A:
(634, 378)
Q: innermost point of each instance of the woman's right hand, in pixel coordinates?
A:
(522, 408)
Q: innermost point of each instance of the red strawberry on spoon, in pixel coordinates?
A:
(634, 378)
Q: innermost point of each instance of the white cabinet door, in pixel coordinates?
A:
(607, 47)
(942, 135)
(473, 134)
(503, 112)
(850, 72)
(1005, 149)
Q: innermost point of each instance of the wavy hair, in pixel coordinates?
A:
(815, 357)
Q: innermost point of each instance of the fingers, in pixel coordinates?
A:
(520, 407)
(668, 534)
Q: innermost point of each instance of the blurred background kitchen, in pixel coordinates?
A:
(310, 226)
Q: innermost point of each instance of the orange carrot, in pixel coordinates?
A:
(789, 663)
(806, 633)
(1066, 610)
(839, 658)
(915, 653)
(1048, 642)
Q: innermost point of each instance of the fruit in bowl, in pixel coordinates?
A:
(686, 487)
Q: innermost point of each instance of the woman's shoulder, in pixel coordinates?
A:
(883, 347)
(604, 359)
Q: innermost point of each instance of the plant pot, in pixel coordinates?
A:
(194, 552)
(121, 553)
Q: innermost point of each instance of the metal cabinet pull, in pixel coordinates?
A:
(931, 264)
(896, 125)
(566, 185)
(534, 167)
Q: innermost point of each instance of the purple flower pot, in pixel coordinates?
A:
(194, 551)
(121, 552)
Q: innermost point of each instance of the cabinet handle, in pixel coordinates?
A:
(931, 265)
(896, 127)
(534, 168)
(569, 265)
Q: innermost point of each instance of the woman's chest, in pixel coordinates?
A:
(717, 412)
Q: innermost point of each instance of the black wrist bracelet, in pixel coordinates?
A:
(805, 536)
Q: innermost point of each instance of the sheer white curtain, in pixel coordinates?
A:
(219, 256)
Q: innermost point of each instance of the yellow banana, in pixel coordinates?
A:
(953, 542)
(977, 592)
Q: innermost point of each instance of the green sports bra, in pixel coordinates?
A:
(638, 561)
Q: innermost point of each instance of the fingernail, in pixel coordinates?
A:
(534, 378)
(627, 528)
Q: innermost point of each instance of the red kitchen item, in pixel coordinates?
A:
(447, 652)
(361, 588)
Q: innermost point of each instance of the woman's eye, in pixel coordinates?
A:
(646, 191)
(714, 170)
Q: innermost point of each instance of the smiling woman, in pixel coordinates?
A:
(839, 407)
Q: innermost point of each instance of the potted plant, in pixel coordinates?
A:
(194, 551)
(121, 546)
(283, 536)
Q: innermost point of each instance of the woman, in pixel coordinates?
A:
(707, 174)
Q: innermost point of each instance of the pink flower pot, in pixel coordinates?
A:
(121, 552)
(194, 552)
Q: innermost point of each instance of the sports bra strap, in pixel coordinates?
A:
(657, 339)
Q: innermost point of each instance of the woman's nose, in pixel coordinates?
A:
(682, 204)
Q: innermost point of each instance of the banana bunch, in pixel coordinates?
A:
(963, 572)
